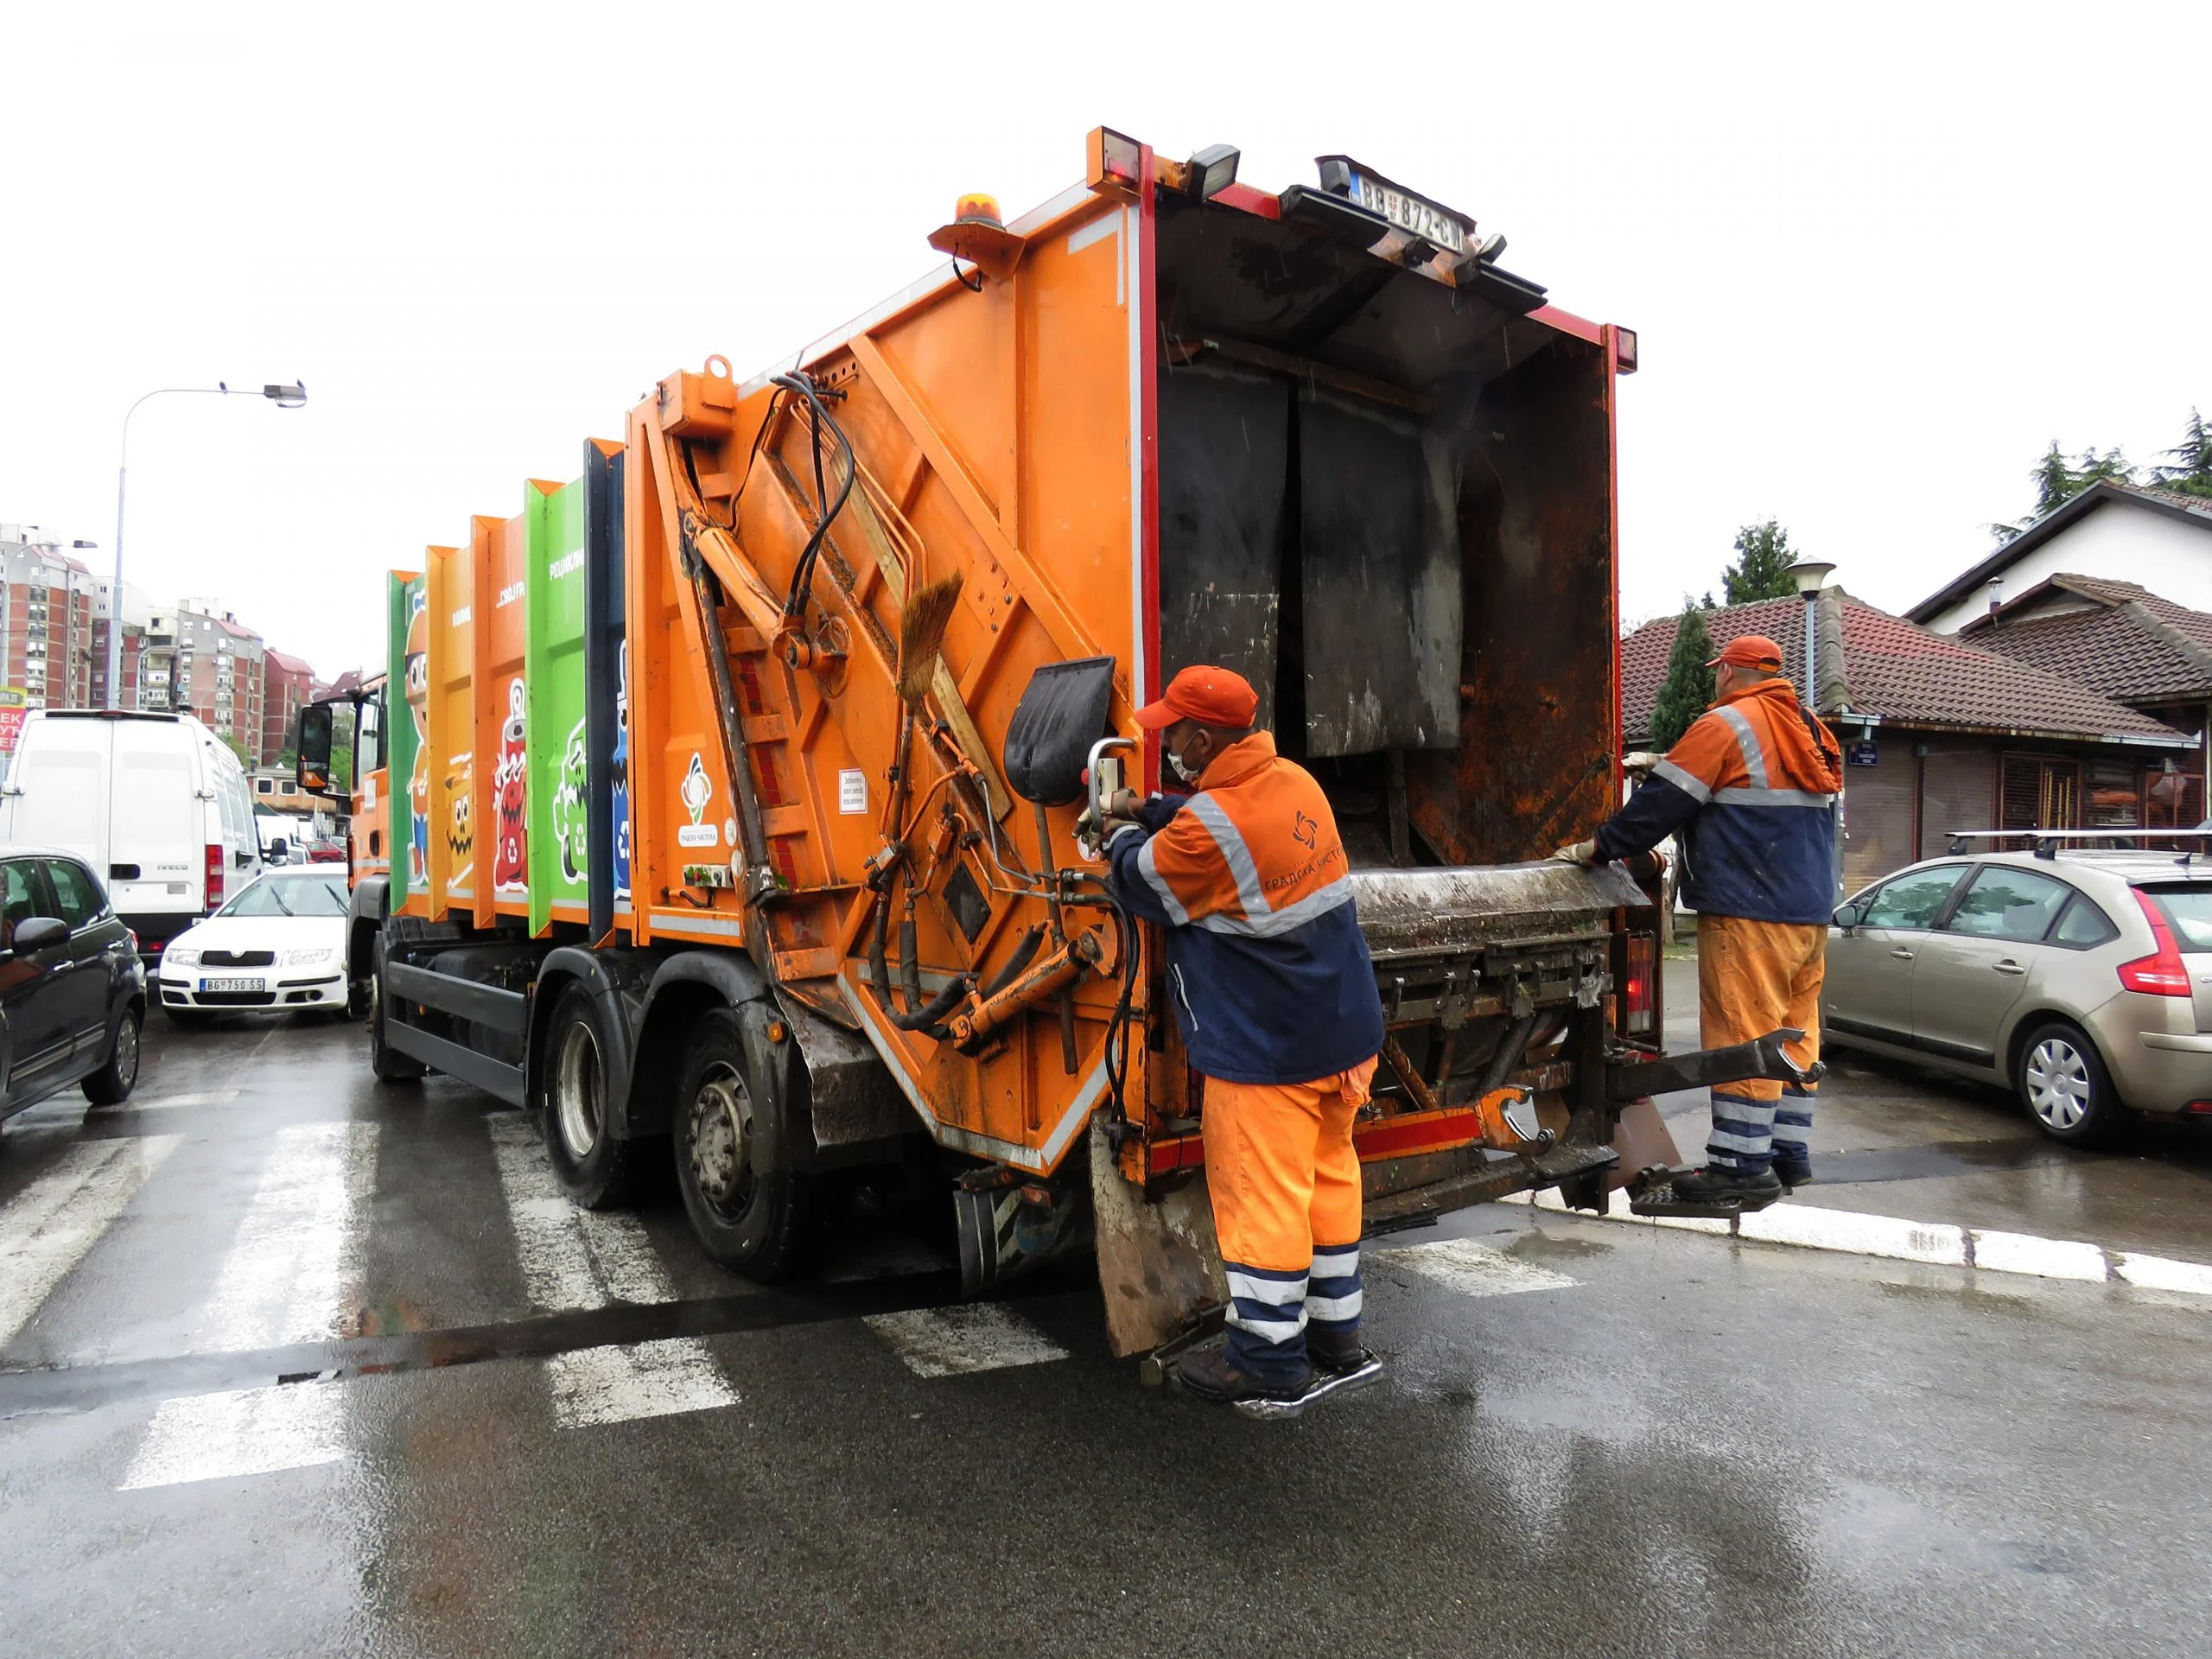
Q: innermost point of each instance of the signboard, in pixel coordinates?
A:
(14, 705)
(1862, 753)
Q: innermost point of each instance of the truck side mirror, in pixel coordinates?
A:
(311, 769)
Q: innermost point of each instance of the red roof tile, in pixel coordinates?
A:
(1900, 671)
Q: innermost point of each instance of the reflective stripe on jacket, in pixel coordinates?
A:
(1267, 968)
(1750, 794)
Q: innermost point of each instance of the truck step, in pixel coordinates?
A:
(1325, 1384)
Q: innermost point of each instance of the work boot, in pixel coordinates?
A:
(1716, 1185)
(1793, 1176)
(1334, 1351)
(1210, 1374)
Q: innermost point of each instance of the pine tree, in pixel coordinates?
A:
(2191, 472)
(1687, 691)
(1763, 556)
(2058, 480)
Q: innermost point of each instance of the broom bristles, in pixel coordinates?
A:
(922, 624)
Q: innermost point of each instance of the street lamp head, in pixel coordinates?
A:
(1809, 574)
(289, 396)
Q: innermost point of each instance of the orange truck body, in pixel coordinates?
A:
(1141, 425)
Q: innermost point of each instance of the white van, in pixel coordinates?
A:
(156, 804)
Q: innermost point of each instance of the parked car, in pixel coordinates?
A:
(73, 991)
(155, 804)
(2082, 980)
(279, 943)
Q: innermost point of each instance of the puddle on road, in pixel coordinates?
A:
(1971, 1295)
(1540, 1246)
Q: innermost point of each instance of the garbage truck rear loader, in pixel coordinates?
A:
(738, 791)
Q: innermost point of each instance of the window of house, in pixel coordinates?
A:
(2040, 792)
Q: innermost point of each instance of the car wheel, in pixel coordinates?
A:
(389, 1064)
(111, 1084)
(752, 1209)
(2066, 1089)
(593, 1165)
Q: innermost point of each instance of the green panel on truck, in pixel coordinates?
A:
(554, 684)
(407, 778)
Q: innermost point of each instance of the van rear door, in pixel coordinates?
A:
(62, 780)
(155, 860)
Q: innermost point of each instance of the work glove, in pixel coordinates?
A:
(1583, 853)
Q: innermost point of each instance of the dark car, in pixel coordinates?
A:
(72, 993)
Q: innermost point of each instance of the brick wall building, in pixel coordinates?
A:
(46, 625)
(286, 683)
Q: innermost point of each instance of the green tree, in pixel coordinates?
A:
(2191, 472)
(1687, 690)
(1763, 556)
(2059, 479)
(239, 749)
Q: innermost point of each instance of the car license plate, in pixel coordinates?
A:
(233, 985)
(1410, 213)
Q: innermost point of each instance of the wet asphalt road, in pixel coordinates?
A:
(512, 1430)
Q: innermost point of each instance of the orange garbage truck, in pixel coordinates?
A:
(736, 800)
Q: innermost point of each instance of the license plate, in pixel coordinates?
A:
(233, 985)
(1410, 213)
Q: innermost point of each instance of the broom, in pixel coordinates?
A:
(922, 622)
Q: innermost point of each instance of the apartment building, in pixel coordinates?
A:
(287, 682)
(45, 622)
(218, 672)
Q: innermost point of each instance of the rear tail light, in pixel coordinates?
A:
(214, 895)
(2163, 973)
(2199, 1108)
(1639, 996)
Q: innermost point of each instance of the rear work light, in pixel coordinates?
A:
(1639, 998)
(214, 877)
(2163, 973)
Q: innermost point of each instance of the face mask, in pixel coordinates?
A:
(1175, 764)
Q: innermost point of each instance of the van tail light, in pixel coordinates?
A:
(1639, 996)
(214, 877)
(2163, 973)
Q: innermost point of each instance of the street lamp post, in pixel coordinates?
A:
(1810, 575)
(289, 396)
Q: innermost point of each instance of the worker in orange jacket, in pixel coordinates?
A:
(1271, 987)
(1750, 794)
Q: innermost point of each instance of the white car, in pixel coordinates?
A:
(279, 943)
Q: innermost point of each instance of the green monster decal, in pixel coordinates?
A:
(553, 693)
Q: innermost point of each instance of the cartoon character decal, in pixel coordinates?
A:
(461, 827)
(509, 873)
(622, 775)
(570, 816)
(418, 699)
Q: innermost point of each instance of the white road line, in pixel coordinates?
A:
(46, 1228)
(1849, 1232)
(247, 1432)
(572, 1258)
(950, 1341)
(296, 1253)
(1471, 1267)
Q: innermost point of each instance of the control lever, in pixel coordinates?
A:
(1102, 778)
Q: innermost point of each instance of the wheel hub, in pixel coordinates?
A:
(721, 1134)
(126, 1053)
(576, 1091)
(2058, 1084)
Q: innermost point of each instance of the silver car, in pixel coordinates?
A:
(2082, 979)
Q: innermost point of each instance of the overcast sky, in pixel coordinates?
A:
(1878, 257)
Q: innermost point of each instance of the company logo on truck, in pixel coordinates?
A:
(697, 790)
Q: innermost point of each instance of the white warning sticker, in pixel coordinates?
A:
(698, 835)
(852, 790)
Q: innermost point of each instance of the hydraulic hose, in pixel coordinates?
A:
(818, 416)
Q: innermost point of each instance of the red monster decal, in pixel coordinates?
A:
(508, 869)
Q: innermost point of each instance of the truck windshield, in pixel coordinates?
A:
(290, 895)
(2189, 912)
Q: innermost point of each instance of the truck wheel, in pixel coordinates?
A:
(592, 1167)
(750, 1208)
(111, 1084)
(389, 1064)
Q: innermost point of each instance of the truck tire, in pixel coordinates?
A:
(592, 1167)
(752, 1209)
(389, 1064)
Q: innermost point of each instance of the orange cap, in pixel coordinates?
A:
(1750, 650)
(1212, 696)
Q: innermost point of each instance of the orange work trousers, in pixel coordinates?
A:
(1752, 977)
(1281, 1168)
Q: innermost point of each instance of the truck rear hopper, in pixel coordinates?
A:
(773, 910)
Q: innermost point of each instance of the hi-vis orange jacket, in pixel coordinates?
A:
(1749, 792)
(1267, 968)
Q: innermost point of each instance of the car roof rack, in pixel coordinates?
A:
(2047, 841)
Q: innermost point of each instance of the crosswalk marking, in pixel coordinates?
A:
(573, 1258)
(51, 1223)
(297, 1251)
(978, 1336)
(1472, 1268)
(243, 1432)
